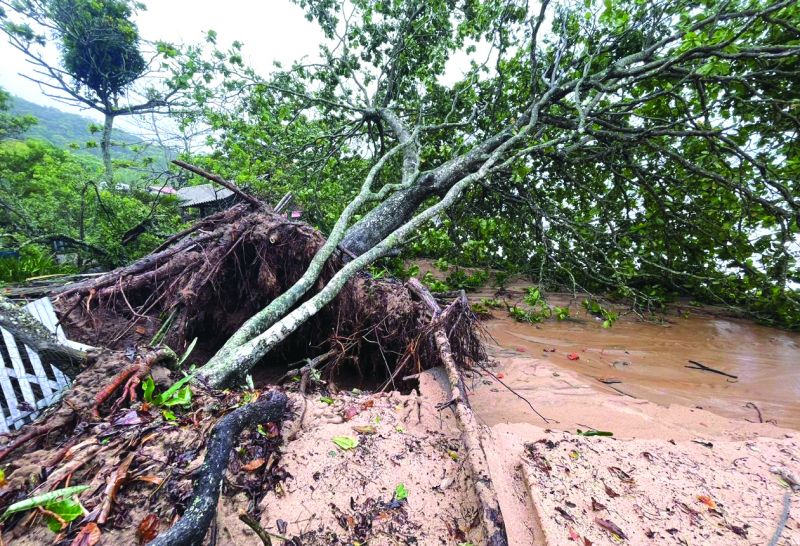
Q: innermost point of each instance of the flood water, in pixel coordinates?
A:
(649, 360)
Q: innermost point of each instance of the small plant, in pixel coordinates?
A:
(433, 284)
(441, 264)
(459, 280)
(594, 307)
(561, 313)
(61, 503)
(501, 279)
(179, 394)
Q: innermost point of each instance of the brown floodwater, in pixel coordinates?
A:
(649, 360)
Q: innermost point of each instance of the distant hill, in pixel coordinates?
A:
(66, 130)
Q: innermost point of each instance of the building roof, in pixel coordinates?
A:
(193, 196)
(166, 190)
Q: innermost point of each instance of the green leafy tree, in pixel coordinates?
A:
(102, 64)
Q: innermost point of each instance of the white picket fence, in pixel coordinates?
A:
(27, 385)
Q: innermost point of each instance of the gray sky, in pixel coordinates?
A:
(270, 30)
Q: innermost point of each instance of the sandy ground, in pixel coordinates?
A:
(669, 475)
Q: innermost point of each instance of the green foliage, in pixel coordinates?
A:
(33, 261)
(99, 43)
(178, 394)
(459, 280)
(594, 307)
(61, 502)
(400, 492)
(434, 284)
(12, 124)
(345, 442)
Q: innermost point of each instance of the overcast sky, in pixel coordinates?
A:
(269, 29)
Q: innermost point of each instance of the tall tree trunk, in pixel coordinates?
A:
(105, 147)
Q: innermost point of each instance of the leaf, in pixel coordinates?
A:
(183, 397)
(170, 392)
(350, 412)
(708, 501)
(253, 465)
(2, 477)
(574, 356)
(594, 433)
(620, 474)
(147, 529)
(573, 535)
(186, 353)
(130, 418)
(148, 387)
(43, 499)
(89, 535)
(611, 527)
(574, 455)
(365, 429)
(453, 454)
(67, 509)
(610, 492)
(400, 492)
(168, 415)
(345, 442)
(597, 506)
(326, 400)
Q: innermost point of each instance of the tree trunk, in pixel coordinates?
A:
(105, 147)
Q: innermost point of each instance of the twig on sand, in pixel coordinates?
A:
(251, 522)
(703, 367)
(758, 411)
(787, 498)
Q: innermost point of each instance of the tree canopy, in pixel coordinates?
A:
(643, 148)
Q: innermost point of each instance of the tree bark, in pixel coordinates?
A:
(105, 148)
(472, 432)
(191, 528)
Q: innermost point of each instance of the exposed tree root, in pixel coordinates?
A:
(214, 276)
(472, 433)
(192, 527)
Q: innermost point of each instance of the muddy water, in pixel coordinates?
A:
(649, 361)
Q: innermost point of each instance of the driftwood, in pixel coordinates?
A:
(472, 432)
(192, 527)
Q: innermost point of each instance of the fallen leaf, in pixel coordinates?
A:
(596, 506)
(368, 404)
(610, 492)
(500, 375)
(573, 535)
(611, 527)
(350, 412)
(345, 442)
(708, 501)
(739, 531)
(620, 474)
(253, 465)
(550, 350)
(140, 330)
(365, 429)
(574, 455)
(566, 515)
(282, 526)
(148, 529)
(155, 480)
(89, 535)
(130, 418)
(574, 356)
(587, 542)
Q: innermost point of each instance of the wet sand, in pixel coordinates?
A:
(650, 361)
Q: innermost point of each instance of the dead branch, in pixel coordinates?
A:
(703, 367)
(219, 180)
(471, 431)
